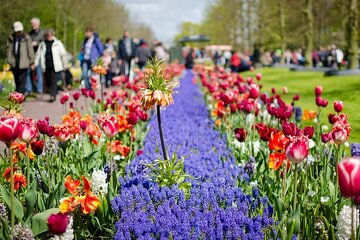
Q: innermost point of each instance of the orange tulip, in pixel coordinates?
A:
(72, 185)
(278, 141)
(276, 160)
(68, 205)
(19, 180)
(88, 202)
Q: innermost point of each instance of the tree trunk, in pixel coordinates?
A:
(282, 29)
(309, 34)
(352, 39)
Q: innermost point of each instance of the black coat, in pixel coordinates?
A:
(122, 52)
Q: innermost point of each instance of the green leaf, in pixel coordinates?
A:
(30, 199)
(39, 221)
(18, 208)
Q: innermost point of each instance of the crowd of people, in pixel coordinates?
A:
(40, 62)
(328, 57)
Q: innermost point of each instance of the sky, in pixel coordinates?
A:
(165, 16)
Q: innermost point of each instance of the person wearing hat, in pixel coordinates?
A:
(20, 55)
(52, 57)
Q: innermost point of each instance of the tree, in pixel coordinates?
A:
(309, 33)
(352, 36)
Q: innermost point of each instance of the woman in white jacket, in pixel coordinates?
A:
(51, 55)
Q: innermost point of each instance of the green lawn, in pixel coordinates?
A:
(345, 88)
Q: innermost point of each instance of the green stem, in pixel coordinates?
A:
(284, 183)
(12, 205)
(28, 164)
(161, 133)
(111, 158)
(295, 186)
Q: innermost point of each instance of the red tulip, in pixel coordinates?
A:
(258, 76)
(64, 97)
(297, 148)
(332, 118)
(58, 223)
(318, 91)
(254, 91)
(16, 97)
(273, 90)
(37, 146)
(309, 132)
(9, 129)
(240, 134)
(51, 131)
(139, 152)
(92, 94)
(83, 124)
(324, 103)
(338, 106)
(349, 177)
(296, 97)
(76, 96)
(289, 129)
(42, 126)
(85, 92)
(132, 118)
(325, 137)
(28, 130)
(142, 115)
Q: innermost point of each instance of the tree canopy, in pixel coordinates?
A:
(69, 18)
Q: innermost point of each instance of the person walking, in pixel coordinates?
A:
(189, 59)
(92, 49)
(52, 58)
(126, 52)
(142, 54)
(37, 36)
(20, 55)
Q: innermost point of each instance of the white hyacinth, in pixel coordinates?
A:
(98, 179)
(344, 223)
(68, 235)
(250, 118)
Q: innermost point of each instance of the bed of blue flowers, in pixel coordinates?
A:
(215, 208)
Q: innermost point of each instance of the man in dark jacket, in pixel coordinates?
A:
(20, 55)
(37, 36)
(126, 52)
(92, 49)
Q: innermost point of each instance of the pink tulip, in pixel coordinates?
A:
(58, 223)
(338, 106)
(9, 128)
(16, 97)
(349, 177)
(254, 91)
(109, 125)
(296, 97)
(258, 76)
(297, 148)
(132, 118)
(61, 133)
(340, 133)
(318, 91)
(28, 130)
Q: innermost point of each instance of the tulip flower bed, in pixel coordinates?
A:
(300, 166)
(58, 181)
(213, 207)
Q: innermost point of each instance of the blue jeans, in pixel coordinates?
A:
(86, 73)
(39, 75)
